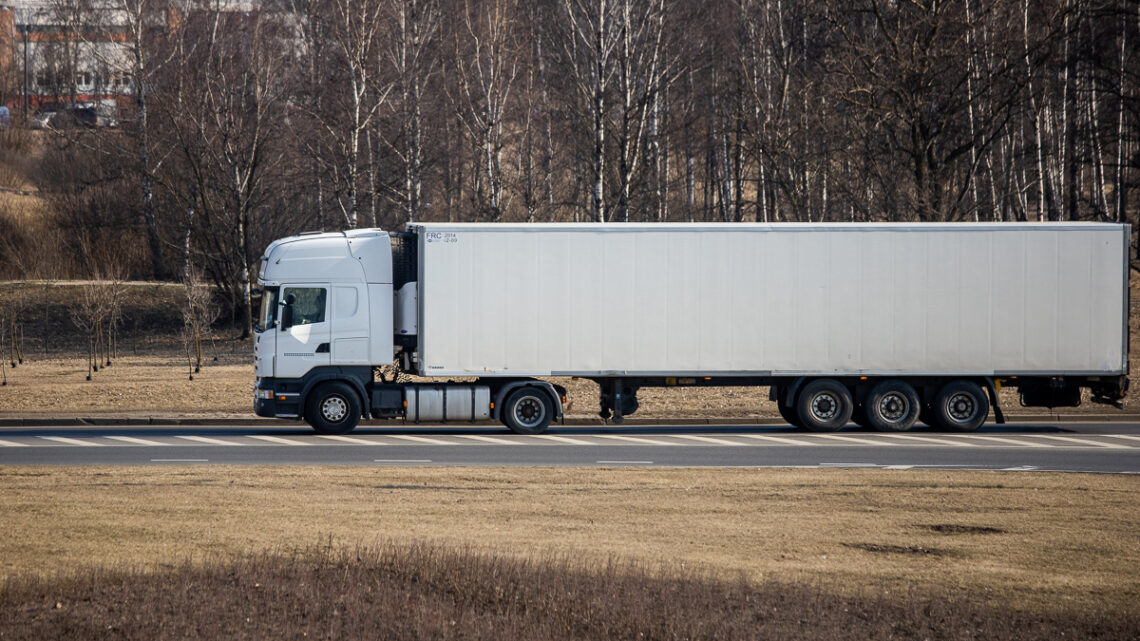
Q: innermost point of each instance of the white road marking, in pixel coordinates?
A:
(988, 438)
(136, 441)
(778, 439)
(209, 441)
(850, 439)
(275, 439)
(489, 439)
(705, 439)
(624, 462)
(12, 444)
(422, 439)
(401, 460)
(563, 439)
(179, 460)
(927, 439)
(70, 441)
(1131, 438)
(635, 439)
(348, 439)
(1081, 441)
(898, 467)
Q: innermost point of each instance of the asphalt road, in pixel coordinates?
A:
(1084, 447)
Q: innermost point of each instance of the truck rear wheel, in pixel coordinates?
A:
(528, 410)
(333, 408)
(960, 405)
(892, 406)
(824, 405)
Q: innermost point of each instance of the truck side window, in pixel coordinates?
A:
(308, 304)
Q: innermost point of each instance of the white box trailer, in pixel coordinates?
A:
(880, 322)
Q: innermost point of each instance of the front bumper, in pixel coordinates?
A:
(271, 402)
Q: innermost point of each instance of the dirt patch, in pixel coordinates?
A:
(951, 528)
(880, 548)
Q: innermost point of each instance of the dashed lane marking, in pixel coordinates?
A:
(70, 441)
(1131, 438)
(987, 438)
(278, 440)
(563, 439)
(850, 439)
(209, 441)
(134, 441)
(706, 439)
(1082, 441)
(489, 439)
(422, 439)
(12, 444)
(926, 439)
(348, 439)
(778, 439)
(634, 439)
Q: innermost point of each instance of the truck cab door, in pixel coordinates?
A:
(303, 332)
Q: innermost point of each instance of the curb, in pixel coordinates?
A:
(95, 421)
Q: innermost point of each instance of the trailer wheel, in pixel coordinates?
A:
(528, 410)
(961, 406)
(892, 406)
(824, 405)
(333, 408)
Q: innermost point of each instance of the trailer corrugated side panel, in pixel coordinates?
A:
(515, 300)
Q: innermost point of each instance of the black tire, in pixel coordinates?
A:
(333, 408)
(892, 406)
(961, 406)
(787, 412)
(824, 405)
(527, 410)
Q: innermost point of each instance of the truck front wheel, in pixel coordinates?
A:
(333, 408)
(528, 410)
(824, 405)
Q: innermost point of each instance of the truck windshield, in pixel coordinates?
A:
(268, 313)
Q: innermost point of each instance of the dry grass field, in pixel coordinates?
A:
(1046, 542)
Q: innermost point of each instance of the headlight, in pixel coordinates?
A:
(263, 393)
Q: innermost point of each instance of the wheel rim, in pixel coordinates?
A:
(825, 406)
(334, 409)
(894, 408)
(961, 407)
(529, 412)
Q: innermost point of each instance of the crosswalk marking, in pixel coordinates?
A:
(1081, 441)
(209, 441)
(12, 444)
(275, 439)
(1131, 438)
(133, 440)
(70, 441)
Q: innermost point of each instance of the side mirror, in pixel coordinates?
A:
(287, 312)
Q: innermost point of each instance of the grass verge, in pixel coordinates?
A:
(1033, 542)
(425, 592)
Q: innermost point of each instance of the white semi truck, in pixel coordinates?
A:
(883, 324)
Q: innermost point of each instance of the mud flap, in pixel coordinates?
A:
(999, 416)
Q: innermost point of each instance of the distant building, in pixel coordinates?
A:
(55, 51)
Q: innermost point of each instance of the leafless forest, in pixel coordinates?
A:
(256, 120)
